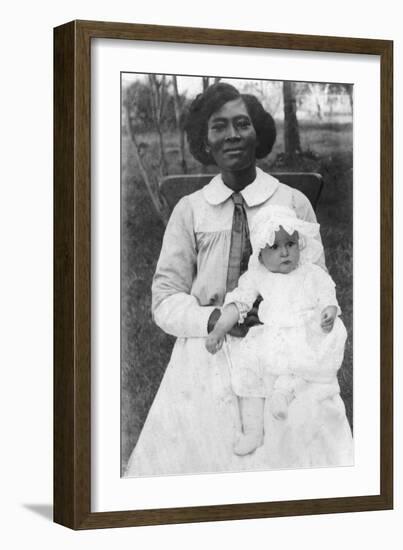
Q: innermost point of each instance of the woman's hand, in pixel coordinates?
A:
(327, 318)
(214, 342)
(251, 320)
(239, 329)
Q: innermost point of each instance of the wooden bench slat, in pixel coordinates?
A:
(174, 187)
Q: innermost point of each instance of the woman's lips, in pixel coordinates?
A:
(233, 151)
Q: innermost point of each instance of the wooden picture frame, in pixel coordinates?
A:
(72, 274)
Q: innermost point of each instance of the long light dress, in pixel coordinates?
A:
(194, 418)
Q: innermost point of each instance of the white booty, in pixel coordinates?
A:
(247, 443)
(252, 413)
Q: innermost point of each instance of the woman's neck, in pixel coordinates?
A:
(240, 179)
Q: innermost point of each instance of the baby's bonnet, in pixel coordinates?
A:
(269, 220)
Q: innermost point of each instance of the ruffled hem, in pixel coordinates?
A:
(268, 352)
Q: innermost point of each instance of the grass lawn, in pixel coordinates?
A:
(145, 348)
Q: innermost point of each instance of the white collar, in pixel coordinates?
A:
(257, 192)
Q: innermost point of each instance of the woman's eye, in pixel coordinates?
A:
(274, 247)
(218, 127)
(243, 124)
(291, 243)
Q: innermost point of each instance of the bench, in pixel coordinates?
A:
(175, 187)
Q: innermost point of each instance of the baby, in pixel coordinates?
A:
(302, 338)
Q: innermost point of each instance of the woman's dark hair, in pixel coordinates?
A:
(210, 101)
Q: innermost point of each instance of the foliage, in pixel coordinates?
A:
(138, 97)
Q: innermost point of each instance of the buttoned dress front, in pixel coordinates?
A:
(194, 419)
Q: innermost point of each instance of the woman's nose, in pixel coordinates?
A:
(284, 251)
(232, 132)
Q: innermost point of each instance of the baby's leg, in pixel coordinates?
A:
(281, 397)
(252, 415)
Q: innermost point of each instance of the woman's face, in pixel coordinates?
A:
(231, 136)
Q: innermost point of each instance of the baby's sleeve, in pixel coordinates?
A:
(244, 295)
(325, 289)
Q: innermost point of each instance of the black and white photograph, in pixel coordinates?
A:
(236, 274)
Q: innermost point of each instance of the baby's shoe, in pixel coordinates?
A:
(252, 423)
(248, 443)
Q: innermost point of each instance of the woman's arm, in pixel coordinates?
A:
(174, 309)
(237, 304)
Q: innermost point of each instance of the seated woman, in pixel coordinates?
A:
(206, 247)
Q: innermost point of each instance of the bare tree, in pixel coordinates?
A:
(178, 116)
(206, 81)
(292, 144)
(158, 100)
(158, 201)
(318, 92)
(349, 90)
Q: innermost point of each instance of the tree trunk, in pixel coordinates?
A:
(158, 92)
(316, 90)
(292, 144)
(349, 89)
(157, 200)
(178, 116)
(206, 82)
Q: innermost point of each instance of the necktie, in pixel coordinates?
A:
(240, 247)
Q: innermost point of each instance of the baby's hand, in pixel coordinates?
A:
(214, 342)
(327, 318)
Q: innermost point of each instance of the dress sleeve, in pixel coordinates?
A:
(174, 309)
(325, 289)
(304, 211)
(244, 295)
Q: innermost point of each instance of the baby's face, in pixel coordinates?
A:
(283, 255)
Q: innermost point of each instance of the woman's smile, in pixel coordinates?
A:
(233, 151)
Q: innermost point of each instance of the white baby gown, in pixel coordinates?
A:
(290, 342)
